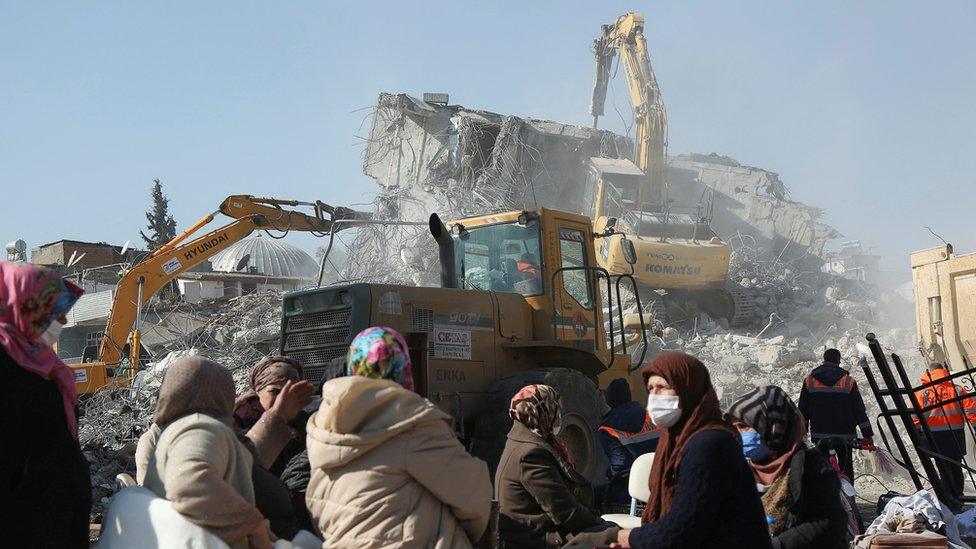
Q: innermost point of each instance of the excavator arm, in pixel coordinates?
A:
(166, 263)
(626, 38)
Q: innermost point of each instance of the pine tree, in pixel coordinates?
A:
(162, 226)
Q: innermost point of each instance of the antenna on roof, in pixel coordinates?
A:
(77, 260)
(125, 248)
(71, 259)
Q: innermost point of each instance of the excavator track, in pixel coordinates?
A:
(745, 312)
(681, 307)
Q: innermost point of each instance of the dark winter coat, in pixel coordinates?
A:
(45, 490)
(815, 519)
(832, 404)
(541, 503)
(716, 503)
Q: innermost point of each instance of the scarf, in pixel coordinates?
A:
(380, 353)
(195, 385)
(699, 412)
(775, 502)
(772, 413)
(31, 298)
(538, 408)
(270, 370)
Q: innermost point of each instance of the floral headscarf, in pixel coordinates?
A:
(380, 353)
(538, 408)
(32, 297)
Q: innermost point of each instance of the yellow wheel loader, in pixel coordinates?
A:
(521, 302)
(678, 254)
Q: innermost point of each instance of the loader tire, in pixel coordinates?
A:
(583, 407)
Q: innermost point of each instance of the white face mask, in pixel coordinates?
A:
(664, 410)
(52, 333)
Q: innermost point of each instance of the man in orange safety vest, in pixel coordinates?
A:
(947, 422)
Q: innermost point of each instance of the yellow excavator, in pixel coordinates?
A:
(678, 254)
(119, 352)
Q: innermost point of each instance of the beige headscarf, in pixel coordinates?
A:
(195, 385)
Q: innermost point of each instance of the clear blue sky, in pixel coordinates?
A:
(863, 108)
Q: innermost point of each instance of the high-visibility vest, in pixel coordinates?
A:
(951, 415)
(648, 432)
(844, 385)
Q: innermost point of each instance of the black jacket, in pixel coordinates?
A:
(716, 503)
(832, 404)
(45, 490)
(816, 518)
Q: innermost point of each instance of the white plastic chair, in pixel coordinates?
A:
(639, 490)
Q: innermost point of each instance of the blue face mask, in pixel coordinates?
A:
(752, 446)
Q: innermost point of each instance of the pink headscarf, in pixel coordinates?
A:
(32, 297)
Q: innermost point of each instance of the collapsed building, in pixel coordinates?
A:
(435, 157)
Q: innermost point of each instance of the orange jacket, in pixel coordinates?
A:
(528, 270)
(950, 416)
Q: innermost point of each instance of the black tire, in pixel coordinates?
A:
(583, 407)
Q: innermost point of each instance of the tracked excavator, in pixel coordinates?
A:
(681, 262)
(120, 352)
(521, 301)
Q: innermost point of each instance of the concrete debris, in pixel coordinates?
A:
(459, 162)
(752, 206)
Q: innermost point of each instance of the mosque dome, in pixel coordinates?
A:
(268, 257)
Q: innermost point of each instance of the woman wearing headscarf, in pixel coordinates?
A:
(272, 415)
(800, 491)
(543, 501)
(45, 490)
(702, 492)
(199, 464)
(387, 470)
(271, 410)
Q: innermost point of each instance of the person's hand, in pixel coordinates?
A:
(623, 540)
(260, 537)
(294, 396)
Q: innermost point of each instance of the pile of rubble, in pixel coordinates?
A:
(236, 334)
(457, 161)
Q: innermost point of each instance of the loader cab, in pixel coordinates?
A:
(545, 255)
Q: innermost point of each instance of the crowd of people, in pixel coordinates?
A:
(368, 462)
